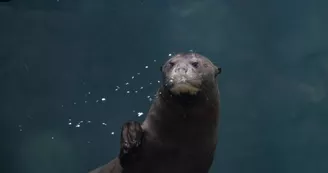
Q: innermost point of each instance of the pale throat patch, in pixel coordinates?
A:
(184, 88)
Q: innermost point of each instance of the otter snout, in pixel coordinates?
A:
(181, 69)
(183, 79)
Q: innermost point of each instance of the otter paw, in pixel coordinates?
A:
(131, 137)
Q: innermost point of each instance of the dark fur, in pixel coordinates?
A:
(180, 131)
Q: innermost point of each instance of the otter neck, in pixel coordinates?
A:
(183, 118)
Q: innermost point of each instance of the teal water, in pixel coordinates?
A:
(61, 62)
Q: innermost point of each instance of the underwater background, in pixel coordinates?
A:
(73, 71)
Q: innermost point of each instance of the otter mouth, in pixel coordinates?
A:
(184, 89)
(183, 86)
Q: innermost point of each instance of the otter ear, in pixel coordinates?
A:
(217, 71)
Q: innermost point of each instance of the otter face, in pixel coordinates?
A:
(189, 73)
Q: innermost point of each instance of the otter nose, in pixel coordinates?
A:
(181, 69)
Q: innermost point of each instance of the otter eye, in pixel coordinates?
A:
(171, 64)
(194, 64)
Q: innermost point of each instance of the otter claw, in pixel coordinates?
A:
(131, 136)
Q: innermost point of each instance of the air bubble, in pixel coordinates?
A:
(128, 92)
(79, 124)
(103, 99)
(146, 66)
(104, 124)
(112, 133)
(140, 114)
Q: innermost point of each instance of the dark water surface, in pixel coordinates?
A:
(274, 84)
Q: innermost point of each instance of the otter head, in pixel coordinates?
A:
(189, 74)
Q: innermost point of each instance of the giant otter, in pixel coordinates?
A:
(179, 134)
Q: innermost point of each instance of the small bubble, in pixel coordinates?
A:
(132, 77)
(89, 92)
(20, 130)
(89, 142)
(104, 124)
(141, 88)
(52, 138)
(97, 101)
(140, 114)
(136, 91)
(154, 60)
(170, 54)
(89, 122)
(148, 96)
(79, 124)
(116, 89)
(69, 123)
(127, 83)
(146, 66)
(138, 73)
(150, 83)
(103, 99)
(75, 103)
(150, 99)
(19, 125)
(85, 101)
(62, 106)
(133, 111)
(112, 133)
(158, 81)
(128, 92)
